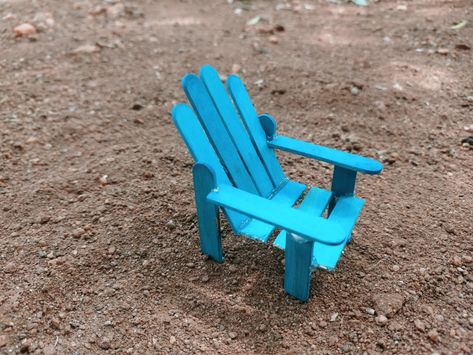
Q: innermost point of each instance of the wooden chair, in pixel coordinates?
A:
(236, 170)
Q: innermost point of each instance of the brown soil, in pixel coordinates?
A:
(90, 263)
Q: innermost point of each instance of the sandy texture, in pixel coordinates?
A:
(98, 238)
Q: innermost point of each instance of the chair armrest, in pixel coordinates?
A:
(290, 219)
(332, 156)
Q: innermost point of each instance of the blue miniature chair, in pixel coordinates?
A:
(236, 170)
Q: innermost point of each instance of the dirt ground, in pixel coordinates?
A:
(99, 245)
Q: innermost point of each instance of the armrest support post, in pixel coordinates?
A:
(207, 213)
(343, 184)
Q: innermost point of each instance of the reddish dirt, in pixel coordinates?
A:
(90, 264)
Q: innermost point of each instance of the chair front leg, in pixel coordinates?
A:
(207, 213)
(298, 261)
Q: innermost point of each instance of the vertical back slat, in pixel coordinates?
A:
(202, 151)
(237, 130)
(217, 132)
(248, 113)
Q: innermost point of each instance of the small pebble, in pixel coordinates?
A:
(443, 51)
(44, 219)
(104, 343)
(456, 260)
(419, 325)
(10, 268)
(354, 90)
(55, 323)
(103, 180)
(433, 335)
(171, 224)
(77, 233)
(273, 39)
(381, 320)
(3, 341)
(87, 48)
(468, 128)
(236, 68)
(24, 30)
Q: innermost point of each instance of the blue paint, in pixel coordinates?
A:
(298, 222)
(344, 214)
(269, 125)
(207, 214)
(287, 194)
(314, 203)
(236, 130)
(237, 170)
(298, 266)
(247, 112)
(343, 184)
(202, 151)
(327, 155)
(217, 132)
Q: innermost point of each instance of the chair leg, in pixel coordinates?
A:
(207, 213)
(298, 254)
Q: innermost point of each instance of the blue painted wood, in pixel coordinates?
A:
(236, 130)
(207, 213)
(298, 222)
(217, 132)
(343, 184)
(202, 151)
(336, 157)
(237, 170)
(345, 214)
(314, 203)
(269, 125)
(247, 112)
(286, 195)
(298, 258)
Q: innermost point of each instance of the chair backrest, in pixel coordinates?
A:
(229, 139)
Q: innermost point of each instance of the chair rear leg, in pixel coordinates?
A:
(207, 213)
(298, 255)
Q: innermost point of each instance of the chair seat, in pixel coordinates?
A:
(345, 214)
(287, 195)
